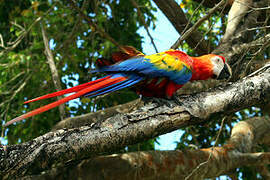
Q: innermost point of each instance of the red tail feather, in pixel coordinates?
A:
(104, 82)
(66, 91)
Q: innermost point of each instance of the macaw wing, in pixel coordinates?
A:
(125, 53)
(174, 65)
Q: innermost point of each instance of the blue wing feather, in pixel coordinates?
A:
(132, 80)
(145, 67)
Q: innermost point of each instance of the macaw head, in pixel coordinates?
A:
(221, 70)
(210, 66)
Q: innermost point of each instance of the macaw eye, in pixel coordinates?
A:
(218, 60)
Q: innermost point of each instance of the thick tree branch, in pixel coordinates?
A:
(237, 12)
(195, 164)
(241, 39)
(90, 118)
(149, 121)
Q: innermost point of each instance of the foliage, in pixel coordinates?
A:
(205, 135)
(76, 45)
(25, 73)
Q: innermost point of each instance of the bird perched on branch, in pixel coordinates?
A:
(156, 75)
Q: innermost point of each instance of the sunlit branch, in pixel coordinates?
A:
(144, 24)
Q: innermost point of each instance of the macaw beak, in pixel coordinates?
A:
(225, 73)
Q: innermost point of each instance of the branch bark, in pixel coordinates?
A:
(188, 164)
(151, 120)
(242, 37)
(237, 12)
(90, 118)
(55, 75)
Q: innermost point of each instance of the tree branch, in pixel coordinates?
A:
(190, 31)
(151, 120)
(24, 32)
(176, 164)
(211, 3)
(178, 19)
(55, 76)
(237, 12)
(90, 118)
(230, 49)
(141, 17)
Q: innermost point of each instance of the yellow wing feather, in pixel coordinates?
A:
(167, 62)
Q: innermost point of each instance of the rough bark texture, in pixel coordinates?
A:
(155, 118)
(189, 164)
(88, 119)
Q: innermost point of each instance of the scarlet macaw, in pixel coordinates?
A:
(158, 75)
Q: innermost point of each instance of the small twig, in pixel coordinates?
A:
(197, 24)
(219, 132)
(19, 26)
(12, 79)
(17, 91)
(95, 26)
(259, 9)
(210, 28)
(55, 75)
(75, 29)
(189, 20)
(144, 24)
(210, 155)
(254, 29)
(15, 43)
(266, 43)
(2, 41)
(267, 65)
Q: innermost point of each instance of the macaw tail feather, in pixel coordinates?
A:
(94, 88)
(66, 91)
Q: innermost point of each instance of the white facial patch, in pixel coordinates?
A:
(218, 65)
